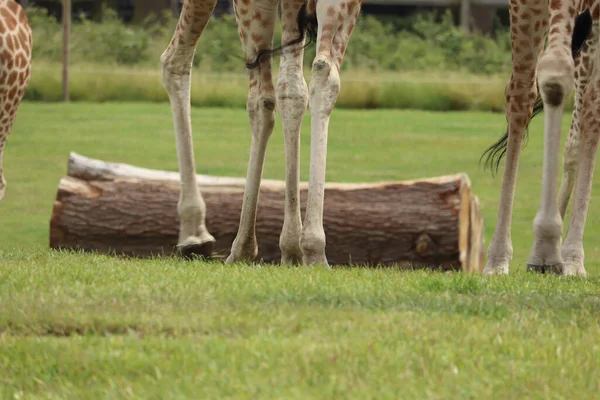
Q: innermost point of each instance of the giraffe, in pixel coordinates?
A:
(569, 60)
(300, 241)
(15, 69)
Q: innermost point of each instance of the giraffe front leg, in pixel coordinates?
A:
(556, 75)
(194, 238)
(256, 22)
(336, 22)
(570, 159)
(547, 225)
(292, 99)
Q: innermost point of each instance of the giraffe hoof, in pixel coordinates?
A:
(291, 260)
(316, 260)
(192, 250)
(546, 269)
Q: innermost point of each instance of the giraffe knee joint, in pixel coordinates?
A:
(545, 226)
(260, 101)
(556, 76)
(326, 74)
(292, 96)
(321, 66)
(554, 93)
(268, 103)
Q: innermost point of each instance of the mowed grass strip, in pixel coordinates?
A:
(86, 326)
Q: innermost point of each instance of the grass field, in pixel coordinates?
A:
(81, 327)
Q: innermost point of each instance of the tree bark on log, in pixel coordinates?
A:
(127, 210)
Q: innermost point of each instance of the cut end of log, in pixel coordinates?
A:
(123, 209)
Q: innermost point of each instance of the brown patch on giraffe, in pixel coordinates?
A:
(556, 19)
(11, 21)
(555, 4)
(351, 6)
(595, 11)
(9, 43)
(13, 8)
(524, 28)
(23, 38)
(555, 30)
(12, 92)
(536, 11)
(12, 78)
(256, 37)
(22, 78)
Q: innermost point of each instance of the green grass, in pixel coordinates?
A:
(88, 326)
(95, 327)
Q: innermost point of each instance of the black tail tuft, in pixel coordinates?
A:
(581, 31)
(493, 155)
(307, 28)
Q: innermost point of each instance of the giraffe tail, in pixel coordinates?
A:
(581, 31)
(307, 29)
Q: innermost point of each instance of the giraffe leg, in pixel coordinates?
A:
(292, 99)
(15, 74)
(194, 238)
(336, 22)
(570, 158)
(571, 153)
(556, 75)
(572, 248)
(528, 27)
(2, 179)
(8, 118)
(256, 22)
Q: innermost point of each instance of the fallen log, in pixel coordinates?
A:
(122, 209)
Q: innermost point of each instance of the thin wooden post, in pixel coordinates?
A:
(465, 15)
(66, 23)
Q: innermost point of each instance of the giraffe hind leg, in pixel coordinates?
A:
(292, 100)
(583, 67)
(527, 35)
(256, 22)
(589, 116)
